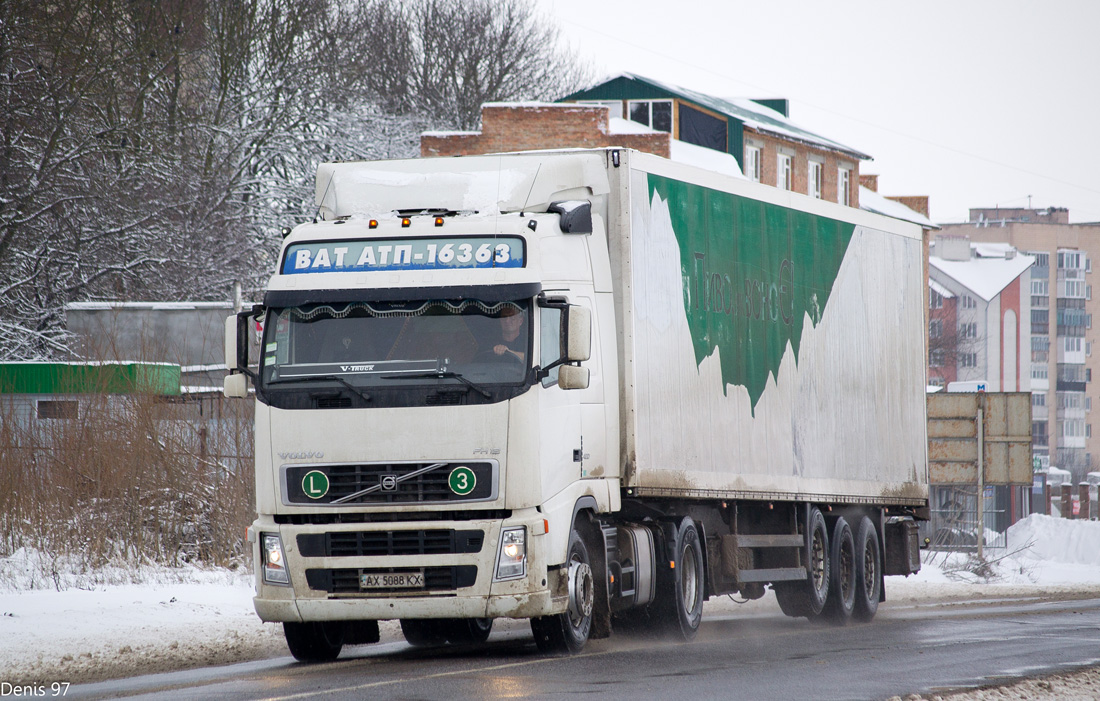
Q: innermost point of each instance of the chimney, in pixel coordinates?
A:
(956, 248)
(869, 181)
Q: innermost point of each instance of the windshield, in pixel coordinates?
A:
(382, 344)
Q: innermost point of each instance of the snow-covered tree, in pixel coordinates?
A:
(152, 149)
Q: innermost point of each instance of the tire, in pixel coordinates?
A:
(430, 632)
(315, 642)
(806, 598)
(469, 631)
(868, 589)
(842, 569)
(681, 591)
(568, 632)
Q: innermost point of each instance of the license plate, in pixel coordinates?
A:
(397, 580)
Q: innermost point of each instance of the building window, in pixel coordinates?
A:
(814, 180)
(969, 330)
(969, 302)
(53, 409)
(844, 186)
(1038, 400)
(935, 358)
(1039, 372)
(784, 172)
(1040, 287)
(752, 163)
(1039, 432)
(935, 299)
(935, 328)
(968, 360)
(614, 107)
(656, 114)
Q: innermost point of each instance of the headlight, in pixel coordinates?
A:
(274, 562)
(512, 558)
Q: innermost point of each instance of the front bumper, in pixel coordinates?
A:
(324, 563)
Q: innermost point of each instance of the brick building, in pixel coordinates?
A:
(751, 137)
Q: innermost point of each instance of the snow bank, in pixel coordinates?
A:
(1050, 539)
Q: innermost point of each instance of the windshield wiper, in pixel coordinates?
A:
(442, 375)
(322, 378)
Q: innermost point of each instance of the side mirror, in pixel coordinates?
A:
(231, 360)
(572, 377)
(236, 386)
(236, 355)
(578, 335)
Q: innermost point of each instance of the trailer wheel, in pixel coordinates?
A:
(806, 598)
(842, 566)
(568, 632)
(868, 571)
(680, 602)
(465, 631)
(315, 642)
(429, 632)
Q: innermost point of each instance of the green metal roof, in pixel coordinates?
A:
(89, 378)
(749, 113)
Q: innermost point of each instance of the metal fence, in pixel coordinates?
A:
(954, 525)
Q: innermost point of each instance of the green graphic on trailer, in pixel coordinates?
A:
(752, 272)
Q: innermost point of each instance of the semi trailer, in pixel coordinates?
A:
(585, 388)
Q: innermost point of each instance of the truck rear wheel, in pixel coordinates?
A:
(315, 642)
(568, 632)
(806, 598)
(842, 567)
(680, 597)
(868, 589)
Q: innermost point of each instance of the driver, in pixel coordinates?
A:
(511, 337)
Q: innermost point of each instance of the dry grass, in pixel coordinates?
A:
(131, 480)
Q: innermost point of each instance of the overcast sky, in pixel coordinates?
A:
(976, 103)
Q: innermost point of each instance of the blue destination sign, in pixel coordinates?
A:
(404, 254)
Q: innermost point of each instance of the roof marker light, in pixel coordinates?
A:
(373, 224)
(405, 221)
(439, 221)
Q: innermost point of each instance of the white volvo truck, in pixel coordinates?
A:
(580, 388)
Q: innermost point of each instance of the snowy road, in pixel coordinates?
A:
(759, 654)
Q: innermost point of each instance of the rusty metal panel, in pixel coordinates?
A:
(953, 428)
(953, 437)
(952, 405)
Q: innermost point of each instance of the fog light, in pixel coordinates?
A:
(274, 562)
(512, 560)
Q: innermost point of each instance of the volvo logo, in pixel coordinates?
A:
(389, 483)
(301, 454)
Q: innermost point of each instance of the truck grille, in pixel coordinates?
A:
(390, 483)
(346, 580)
(382, 543)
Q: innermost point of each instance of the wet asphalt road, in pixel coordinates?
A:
(907, 649)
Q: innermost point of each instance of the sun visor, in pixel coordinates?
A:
(486, 293)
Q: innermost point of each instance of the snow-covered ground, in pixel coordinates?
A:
(83, 627)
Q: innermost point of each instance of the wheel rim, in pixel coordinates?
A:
(817, 563)
(870, 575)
(847, 572)
(689, 582)
(581, 593)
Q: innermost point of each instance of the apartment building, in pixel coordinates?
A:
(1060, 352)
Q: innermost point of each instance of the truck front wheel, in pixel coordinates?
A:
(315, 642)
(568, 632)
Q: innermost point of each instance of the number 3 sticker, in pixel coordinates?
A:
(462, 480)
